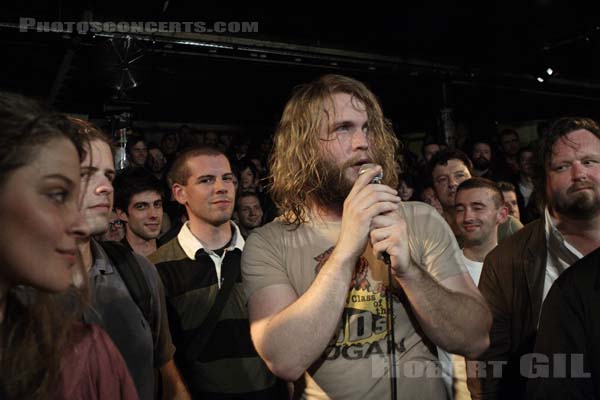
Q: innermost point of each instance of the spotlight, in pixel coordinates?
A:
(544, 74)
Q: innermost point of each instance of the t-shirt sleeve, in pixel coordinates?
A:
(433, 245)
(161, 335)
(263, 259)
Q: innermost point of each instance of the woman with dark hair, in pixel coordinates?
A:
(45, 351)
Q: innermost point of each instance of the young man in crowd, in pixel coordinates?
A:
(479, 211)
(249, 211)
(139, 203)
(510, 199)
(200, 269)
(143, 340)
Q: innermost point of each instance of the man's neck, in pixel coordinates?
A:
(583, 234)
(140, 245)
(479, 173)
(212, 237)
(326, 214)
(479, 251)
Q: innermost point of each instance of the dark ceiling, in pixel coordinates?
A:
(484, 58)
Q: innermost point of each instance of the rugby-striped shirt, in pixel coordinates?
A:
(228, 366)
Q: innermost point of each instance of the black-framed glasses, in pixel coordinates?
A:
(115, 224)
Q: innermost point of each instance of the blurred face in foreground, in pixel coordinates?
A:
(41, 222)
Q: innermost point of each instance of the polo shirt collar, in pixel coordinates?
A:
(190, 243)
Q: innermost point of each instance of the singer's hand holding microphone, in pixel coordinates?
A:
(388, 232)
(363, 203)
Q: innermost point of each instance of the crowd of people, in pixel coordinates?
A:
(211, 267)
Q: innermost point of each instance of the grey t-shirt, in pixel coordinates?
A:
(355, 364)
(143, 347)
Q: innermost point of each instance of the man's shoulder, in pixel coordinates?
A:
(584, 272)
(530, 237)
(271, 231)
(424, 220)
(419, 209)
(170, 251)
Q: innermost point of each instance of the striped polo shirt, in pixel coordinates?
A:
(228, 366)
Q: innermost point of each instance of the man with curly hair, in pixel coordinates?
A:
(314, 278)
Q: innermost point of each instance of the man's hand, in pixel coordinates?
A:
(365, 202)
(389, 235)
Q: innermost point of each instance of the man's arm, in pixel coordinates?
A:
(291, 332)
(451, 312)
(173, 386)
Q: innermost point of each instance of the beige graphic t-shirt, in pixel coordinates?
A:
(356, 364)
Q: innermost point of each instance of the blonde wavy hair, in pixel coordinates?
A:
(294, 161)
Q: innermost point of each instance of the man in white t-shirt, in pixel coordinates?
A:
(479, 210)
(314, 278)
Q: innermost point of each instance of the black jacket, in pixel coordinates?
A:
(570, 325)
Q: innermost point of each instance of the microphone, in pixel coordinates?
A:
(376, 179)
(365, 167)
(391, 339)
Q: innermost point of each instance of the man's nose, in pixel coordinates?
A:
(578, 171)
(360, 140)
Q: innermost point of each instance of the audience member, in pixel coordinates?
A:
(139, 203)
(140, 331)
(407, 187)
(428, 196)
(249, 176)
(169, 144)
(45, 351)
(510, 198)
(250, 212)
(210, 138)
(479, 211)
(484, 166)
(524, 183)
(519, 272)
(137, 151)
(116, 229)
(202, 266)
(156, 161)
(567, 341)
(510, 144)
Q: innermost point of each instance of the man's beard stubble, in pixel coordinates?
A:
(481, 163)
(577, 205)
(335, 186)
